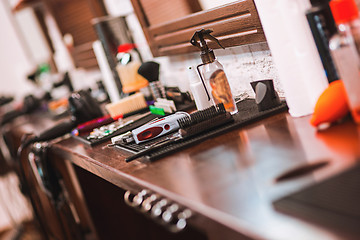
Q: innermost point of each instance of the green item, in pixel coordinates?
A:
(44, 67)
(156, 110)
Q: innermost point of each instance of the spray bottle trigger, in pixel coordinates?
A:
(198, 39)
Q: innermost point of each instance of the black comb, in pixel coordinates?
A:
(204, 120)
(202, 115)
(205, 125)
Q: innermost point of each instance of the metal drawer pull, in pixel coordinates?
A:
(149, 202)
(168, 214)
(165, 212)
(158, 208)
(185, 214)
(128, 198)
(139, 198)
(181, 222)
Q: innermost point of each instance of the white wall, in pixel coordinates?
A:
(32, 35)
(23, 48)
(15, 59)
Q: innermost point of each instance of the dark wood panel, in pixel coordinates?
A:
(115, 220)
(213, 15)
(217, 26)
(84, 56)
(234, 24)
(159, 11)
(74, 17)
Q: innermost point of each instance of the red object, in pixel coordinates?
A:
(149, 133)
(90, 125)
(344, 10)
(126, 47)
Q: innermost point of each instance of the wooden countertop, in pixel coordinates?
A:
(231, 178)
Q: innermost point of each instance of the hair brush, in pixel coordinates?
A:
(150, 71)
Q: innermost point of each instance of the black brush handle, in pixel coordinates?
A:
(202, 115)
(57, 131)
(9, 116)
(206, 125)
(151, 149)
(52, 133)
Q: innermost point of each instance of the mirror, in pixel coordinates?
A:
(169, 26)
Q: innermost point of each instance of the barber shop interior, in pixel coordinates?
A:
(179, 120)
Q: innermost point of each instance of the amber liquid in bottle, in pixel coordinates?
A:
(218, 86)
(220, 90)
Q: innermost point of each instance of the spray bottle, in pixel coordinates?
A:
(212, 74)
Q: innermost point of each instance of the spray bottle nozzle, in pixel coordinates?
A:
(198, 40)
(207, 54)
(200, 36)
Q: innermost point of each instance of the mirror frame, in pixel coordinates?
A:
(233, 24)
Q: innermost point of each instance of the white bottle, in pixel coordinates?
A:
(198, 90)
(294, 52)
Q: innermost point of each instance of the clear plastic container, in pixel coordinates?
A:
(345, 53)
(218, 86)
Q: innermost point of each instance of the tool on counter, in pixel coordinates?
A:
(176, 95)
(154, 129)
(95, 123)
(167, 105)
(130, 105)
(158, 127)
(150, 71)
(83, 107)
(29, 105)
(129, 61)
(212, 73)
(5, 100)
(174, 137)
(190, 125)
(265, 95)
(156, 110)
(106, 130)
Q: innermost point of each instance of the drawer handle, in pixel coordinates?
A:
(149, 202)
(159, 208)
(163, 211)
(139, 198)
(135, 200)
(169, 213)
(129, 198)
(179, 223)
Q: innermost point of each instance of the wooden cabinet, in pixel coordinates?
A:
(228, 183)
(169, 32)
